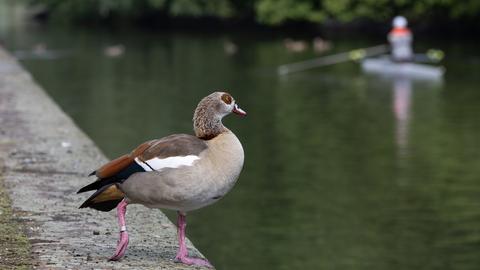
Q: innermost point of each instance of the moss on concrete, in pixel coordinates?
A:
(14, 245)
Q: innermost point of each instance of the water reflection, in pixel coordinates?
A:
(402, 88)
(402, 95)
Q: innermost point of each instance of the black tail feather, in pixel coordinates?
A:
(101, 206)
(97, 184)
(119, 177)
(105, 206)
(103, 184)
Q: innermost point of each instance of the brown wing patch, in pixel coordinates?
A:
(174, 145)
(114, 166)
(141, 148)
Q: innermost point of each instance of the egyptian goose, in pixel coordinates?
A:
(179, 172)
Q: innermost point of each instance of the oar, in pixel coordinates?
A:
(333, 59)
(432, 56)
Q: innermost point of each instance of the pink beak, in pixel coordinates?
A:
(239, 111)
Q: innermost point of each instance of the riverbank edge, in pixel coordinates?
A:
(45, 159)
(14, 244)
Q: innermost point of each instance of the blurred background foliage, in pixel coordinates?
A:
(264, 12)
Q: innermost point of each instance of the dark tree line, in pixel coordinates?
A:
(266, 12)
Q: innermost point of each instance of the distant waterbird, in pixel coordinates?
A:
(321, 45)
(40, 51)
(295, 45)
(114, 50)
(179, 172)
(229, 47)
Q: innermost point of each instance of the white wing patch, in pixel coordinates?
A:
(157, 164)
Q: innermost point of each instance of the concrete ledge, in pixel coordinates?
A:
(46, 159)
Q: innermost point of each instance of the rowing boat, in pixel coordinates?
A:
(385, 66)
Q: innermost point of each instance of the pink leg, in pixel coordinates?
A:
(123, 241)
(182, 254)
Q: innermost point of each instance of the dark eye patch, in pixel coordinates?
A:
(227, 98)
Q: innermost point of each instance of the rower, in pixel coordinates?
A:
(400, 38)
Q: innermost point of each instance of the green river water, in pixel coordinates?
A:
(343, 170)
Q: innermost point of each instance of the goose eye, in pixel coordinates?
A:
(227, 99)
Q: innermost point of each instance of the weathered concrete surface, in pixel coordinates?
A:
(46, 159)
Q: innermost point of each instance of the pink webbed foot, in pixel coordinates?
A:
(121, 247)
(182, 253)
(193, 261)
